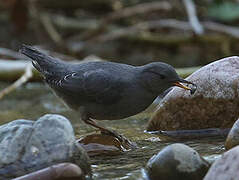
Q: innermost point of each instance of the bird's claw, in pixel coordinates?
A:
(119, 137)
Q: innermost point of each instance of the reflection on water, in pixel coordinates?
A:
(35, 99)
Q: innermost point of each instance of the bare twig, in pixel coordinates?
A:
(192, 15)
(23, 79)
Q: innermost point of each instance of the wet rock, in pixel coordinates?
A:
(226, 167)
(214, 104)
(27, 146)
(233, 136)
(56, 172)
(177, 161)
(101, 144)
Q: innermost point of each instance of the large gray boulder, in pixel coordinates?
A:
(177, 161)
(214, 105)
(27, 146)
(226, 167)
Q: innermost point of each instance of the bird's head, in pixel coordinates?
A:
(158, 77)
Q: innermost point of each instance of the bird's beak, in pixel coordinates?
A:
(181, 85)
(177, 83)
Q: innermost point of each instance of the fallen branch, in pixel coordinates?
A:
(23, 79)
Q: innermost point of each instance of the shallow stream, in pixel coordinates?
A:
(35, 99)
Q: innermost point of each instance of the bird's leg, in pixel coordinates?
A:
(106, 131)
(101, 128)
(85, 117)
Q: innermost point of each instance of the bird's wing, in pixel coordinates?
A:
(97, 86)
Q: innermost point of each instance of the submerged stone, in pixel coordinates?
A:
(177, 161)
(233, 136)
(226, 167)
(27, 146)
(101, 144)
(214, 104)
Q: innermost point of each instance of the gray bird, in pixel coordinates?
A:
(105, 90)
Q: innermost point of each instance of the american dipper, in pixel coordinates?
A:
(105, 90)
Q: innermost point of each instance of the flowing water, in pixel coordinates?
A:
(35, 99)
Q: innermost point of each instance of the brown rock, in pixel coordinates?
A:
(214, 105)
(56, 172)
(226, 167)
(233, 136)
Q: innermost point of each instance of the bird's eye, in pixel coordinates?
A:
(161, 76)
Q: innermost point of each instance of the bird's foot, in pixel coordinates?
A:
(112, 133)
(118, 136)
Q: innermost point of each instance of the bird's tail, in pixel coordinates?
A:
(45, 64)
